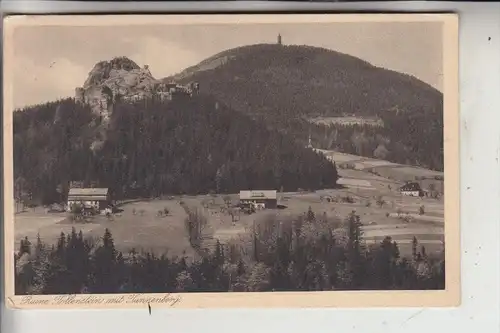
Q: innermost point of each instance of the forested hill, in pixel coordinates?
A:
(189, 146)
(286, 86)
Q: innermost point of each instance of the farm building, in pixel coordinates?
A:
(412, 190)
(268, 198)
(96, 198)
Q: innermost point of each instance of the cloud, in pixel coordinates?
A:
(35, 83)
(164, 57)
(38, 81)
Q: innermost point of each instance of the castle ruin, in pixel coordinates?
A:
(102, 97)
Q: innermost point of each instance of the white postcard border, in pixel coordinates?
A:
(448, 297)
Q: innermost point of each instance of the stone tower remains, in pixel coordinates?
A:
(279, 39)
(79, 95)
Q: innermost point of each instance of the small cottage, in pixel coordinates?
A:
(267, 198)
(412, 190)
(89, 198)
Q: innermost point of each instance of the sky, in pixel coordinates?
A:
(51, 61)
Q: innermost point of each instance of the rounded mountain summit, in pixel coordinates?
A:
(302, 81)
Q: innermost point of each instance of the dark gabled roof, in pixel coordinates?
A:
(410, 187)
(88, 191)
(88, 194)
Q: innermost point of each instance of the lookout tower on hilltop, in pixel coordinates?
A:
(279, 39)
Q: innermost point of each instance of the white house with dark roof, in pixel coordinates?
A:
(267, 197)
(411, 189)
(97, 198)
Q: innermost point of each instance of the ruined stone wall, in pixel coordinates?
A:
(79, 95)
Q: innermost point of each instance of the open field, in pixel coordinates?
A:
(145, 230)
(388, 170)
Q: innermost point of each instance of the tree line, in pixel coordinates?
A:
(151, 147)
(421, 145)
(300, 253)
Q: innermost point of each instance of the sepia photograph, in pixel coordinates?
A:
(231, 160)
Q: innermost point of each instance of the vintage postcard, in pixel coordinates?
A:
(199, 161)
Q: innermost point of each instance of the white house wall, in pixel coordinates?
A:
(411, 193)
(86, 204)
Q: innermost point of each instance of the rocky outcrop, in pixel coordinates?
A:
(104, 70)
(111, 79)
(121, 78)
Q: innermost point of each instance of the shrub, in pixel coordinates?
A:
(348, 199)
(407, 218)
(380, 201)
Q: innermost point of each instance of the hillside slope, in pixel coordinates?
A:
(287, 86)
(317, 82)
